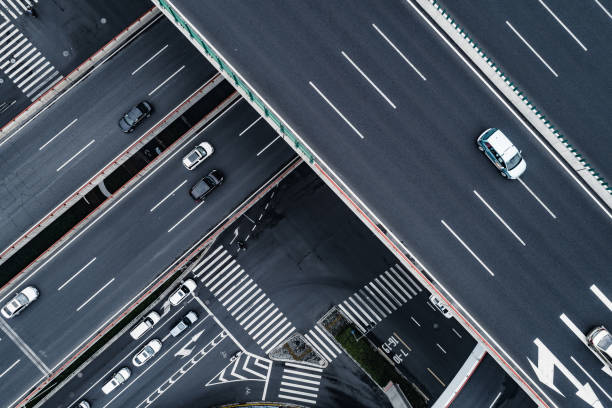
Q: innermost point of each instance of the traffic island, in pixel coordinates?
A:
(368, 357)
(297, 349)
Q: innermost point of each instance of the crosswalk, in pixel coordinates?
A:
(16, 7)
(300, 383)
(246, 367)
(244, 299)
(322, 343)
(24, 64)
(380, 297)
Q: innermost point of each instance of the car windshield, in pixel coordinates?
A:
(132, 116)
(605, 343)
(201, 150)
(514, 161)
(193, 157)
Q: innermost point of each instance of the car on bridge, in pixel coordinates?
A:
(502, 153)
(20, 301)
(600, 342)
(199, 153)
(206, 185)
(135, 116)
(116, 380)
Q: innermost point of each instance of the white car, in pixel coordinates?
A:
(197, 155)
(441, 306)
(118, 378)
(187, 320)
(83, 404)
(145, 324)
(147, 352)
(20, 301)
(178, 295)
(502, 153)
(600, 341)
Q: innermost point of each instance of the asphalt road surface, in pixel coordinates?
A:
(559, 52)
(395, 113)
(67, 144)
(99, 272)
(62, 36)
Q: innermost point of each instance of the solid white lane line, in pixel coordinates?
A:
(500, 219)
(9, 369)
(537, 198)
(150, 59)
(604, 9)
(77, 153)
(381, 93)
(335, 109)
(590, 378)
(320, 345)
(186, 215)
(604, 299)
(532, 49)
(577, 332)
(563, 25)
(168, 196)
(58, 133)
(415, 322)
(76, 274)
(467, 248)
(495, 400)
(250, 126)
(268, 145)
(166, 80)
(95, 294)
(401, 54)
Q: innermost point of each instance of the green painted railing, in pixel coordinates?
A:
(238, 83)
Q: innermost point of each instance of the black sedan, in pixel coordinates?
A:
(203, 187)
(134, 116)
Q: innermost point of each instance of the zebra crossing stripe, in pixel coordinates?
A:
(272, 329)
(303, 367)
(351, 317)
(366, 306)
(229, 282)
(17, 50)
(247, 302)
(306, 394)
(238, 290)
(282, 337)
(362, 311)
(383, 297)
(252, 322)
(276, 332)
(304, 387)
(216, 268)
(289, 397)
(407, 275)
(317, 348)
(215, 273)
(390, 295)
(224, 275)
(390, 288)
(262, 304)
(205, 260)
(320, 343)
(405, 284)
(378, 300)
(263, 295)
(330, 341)
(300, 379)
(265, 318)
(249, 290)
(365, 322)
(398, 286)
(233, 288)
(28, 48)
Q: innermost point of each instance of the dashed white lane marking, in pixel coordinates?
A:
(577, 332)
(75, 155)
(250, 126)
(76, 274)
(336, 109)
(601, 296)
(268, 145)
(467, 248)
(401, 54)
(563, 25)
(495, 399)
(58, 133)
(95, 294)
(10, 367)
(456, 332)
(168, 196)
(166, 80)
(604, 9)
(537, 198)
(415, 321)
(531, 48)
(440, 347)
(186, 215)
(499, 218)
(381, 93)
(150, 59)
(590, 378)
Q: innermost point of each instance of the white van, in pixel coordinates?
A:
(144, 325)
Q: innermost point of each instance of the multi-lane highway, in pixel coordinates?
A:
(392, 109)
(67, 144)
(99, 272)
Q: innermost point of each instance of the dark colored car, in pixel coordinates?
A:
(203, 187)
(134, 116)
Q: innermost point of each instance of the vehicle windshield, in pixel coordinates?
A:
(514, 161)
(605, 343)
(132, 116)
(193, 157)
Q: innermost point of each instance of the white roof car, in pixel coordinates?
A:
(83, 404)
(145, 324)
(20, 301)
(147, 352)
(187, 320)
(600, 341)
(197, 155)
(178, 295)
(502, 153)
(441, 306)
(118, 378)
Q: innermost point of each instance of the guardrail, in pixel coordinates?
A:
(240, 85)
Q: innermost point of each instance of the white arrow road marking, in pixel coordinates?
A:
(185, 350)
(545, 371)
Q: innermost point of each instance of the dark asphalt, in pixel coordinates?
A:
(31, 184)
(66, 33)
(490, 386)
(132, 244)
(577, 102)
(418, 166)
